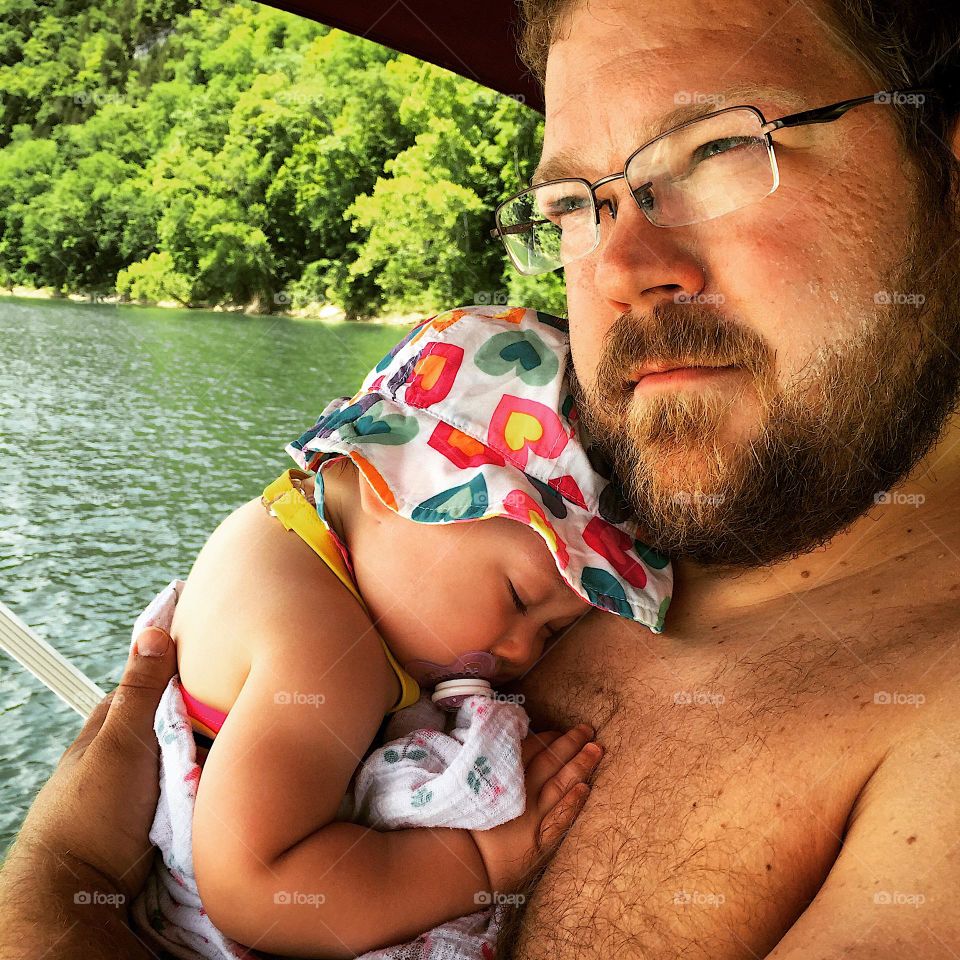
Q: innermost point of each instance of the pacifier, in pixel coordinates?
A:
(473, 665)
(449, 694)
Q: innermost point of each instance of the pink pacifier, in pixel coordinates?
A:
(449, 694)
(468, 676)
(473, 665)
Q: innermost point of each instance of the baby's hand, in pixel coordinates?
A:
(557, 767)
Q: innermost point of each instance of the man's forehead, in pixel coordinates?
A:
(644, 125)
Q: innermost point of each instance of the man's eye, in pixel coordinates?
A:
(715, 147)
(557, 209)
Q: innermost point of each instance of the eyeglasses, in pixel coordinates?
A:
(697, 171)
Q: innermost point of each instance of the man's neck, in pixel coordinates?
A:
(921, 512)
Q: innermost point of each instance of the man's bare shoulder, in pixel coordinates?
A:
(895, 879)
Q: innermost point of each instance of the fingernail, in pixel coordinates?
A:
(152, 643)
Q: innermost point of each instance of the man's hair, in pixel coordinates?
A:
(900, 43)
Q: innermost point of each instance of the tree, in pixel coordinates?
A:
(235, 154)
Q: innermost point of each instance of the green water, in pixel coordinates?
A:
(126, 435)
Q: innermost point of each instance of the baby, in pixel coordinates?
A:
(313, 612)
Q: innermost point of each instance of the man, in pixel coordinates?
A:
(781, 763)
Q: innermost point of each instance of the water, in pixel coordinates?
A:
(126, 435)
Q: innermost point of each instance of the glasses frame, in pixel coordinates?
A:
(825, 114)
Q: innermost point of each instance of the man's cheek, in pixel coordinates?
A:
(781, 284)
(588, 322)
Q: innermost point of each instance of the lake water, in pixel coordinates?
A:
(126, 435)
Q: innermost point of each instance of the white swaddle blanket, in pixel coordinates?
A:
(421, 776)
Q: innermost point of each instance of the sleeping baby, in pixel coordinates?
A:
(363, 580)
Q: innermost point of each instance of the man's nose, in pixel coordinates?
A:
(638, 264)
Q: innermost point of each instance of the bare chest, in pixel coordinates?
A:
(721, 802)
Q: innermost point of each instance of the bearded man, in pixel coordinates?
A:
(781, 764)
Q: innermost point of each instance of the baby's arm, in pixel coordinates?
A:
(275, 873)
(273, 870)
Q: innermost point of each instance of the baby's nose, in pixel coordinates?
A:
(517, 646)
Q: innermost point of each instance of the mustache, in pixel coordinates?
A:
(679, 333)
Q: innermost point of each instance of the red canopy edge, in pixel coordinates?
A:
(474, 39)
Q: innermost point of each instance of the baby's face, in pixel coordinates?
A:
(439, 590)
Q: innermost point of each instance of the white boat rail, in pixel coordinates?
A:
(47, 664)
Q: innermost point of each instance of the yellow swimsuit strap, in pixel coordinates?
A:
(286, 500)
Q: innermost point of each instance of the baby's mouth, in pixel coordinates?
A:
(475, 664)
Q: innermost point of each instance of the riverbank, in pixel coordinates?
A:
(324, 313)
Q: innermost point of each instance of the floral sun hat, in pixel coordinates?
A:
(471, 416)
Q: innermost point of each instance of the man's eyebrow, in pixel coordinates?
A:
(570, 162)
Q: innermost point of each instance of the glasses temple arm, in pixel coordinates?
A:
(834, 111)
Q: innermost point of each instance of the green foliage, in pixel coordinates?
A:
(235, 154)
(154, 280)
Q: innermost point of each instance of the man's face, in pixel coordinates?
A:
(830, 299)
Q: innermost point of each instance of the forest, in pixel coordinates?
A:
(238, 156)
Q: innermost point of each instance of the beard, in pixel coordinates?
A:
(820, 448)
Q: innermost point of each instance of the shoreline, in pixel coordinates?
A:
(315, 312)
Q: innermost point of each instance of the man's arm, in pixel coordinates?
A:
(55, 905)
(893, 891)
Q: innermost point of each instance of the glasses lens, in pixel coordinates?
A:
(703, 170)
(549, 226)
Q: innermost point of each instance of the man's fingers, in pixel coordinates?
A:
(145, 677)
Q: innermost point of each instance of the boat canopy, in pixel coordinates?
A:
(475, 40)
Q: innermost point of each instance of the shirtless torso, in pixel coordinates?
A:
(740, 745)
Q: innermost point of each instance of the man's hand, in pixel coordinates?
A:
(83, 852)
